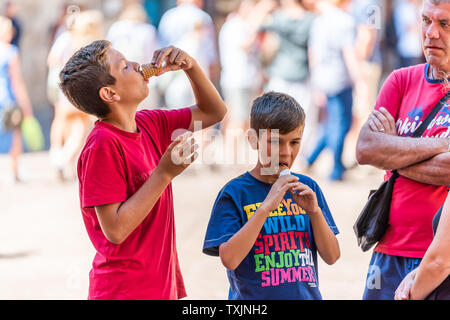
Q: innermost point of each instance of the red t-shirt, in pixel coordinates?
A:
(409, 95)
(112, 167)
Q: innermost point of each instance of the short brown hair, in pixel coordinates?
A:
(274, 110)
(84, 75)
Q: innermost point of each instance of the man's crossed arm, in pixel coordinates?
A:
(425, 160)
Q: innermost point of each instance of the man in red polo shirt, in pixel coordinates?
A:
(385, 141)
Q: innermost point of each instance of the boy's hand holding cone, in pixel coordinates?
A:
(167, 59)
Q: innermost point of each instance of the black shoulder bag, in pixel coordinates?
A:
(373, 220)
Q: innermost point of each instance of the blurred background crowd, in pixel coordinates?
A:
(331, 55)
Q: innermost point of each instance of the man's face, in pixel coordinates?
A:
(436, 35)
(130, 84)
(278, 152)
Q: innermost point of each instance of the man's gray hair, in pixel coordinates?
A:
(443, 75)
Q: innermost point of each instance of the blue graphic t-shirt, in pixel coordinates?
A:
(283, 261)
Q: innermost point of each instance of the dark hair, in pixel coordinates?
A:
(86, 72)
(274, 110)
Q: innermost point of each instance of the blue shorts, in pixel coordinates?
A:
(385, 274)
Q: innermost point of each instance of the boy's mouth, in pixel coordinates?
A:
(283, 164)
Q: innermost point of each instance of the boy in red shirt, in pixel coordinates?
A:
(127, 165)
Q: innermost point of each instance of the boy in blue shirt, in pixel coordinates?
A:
(267, 227)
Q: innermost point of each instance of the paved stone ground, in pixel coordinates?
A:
(45, 252)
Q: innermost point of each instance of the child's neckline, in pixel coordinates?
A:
(134, 135)
(255, 178)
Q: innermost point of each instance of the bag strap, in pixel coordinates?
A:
(423, 126)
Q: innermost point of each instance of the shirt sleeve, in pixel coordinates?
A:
(325, 209)
(102, 176)
(390, 95)
(225, 221)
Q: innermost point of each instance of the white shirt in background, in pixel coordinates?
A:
(240, 67)
(136, 41)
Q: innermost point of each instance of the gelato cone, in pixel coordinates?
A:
(149, 71)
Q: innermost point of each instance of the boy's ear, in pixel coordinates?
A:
(252, 137)
(108, 95)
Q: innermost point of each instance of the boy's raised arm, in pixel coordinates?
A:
(210, 108)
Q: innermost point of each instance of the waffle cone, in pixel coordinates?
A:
(149, 71)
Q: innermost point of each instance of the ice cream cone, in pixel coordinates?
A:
(149, 71)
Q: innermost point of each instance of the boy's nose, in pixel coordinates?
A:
(284, 150)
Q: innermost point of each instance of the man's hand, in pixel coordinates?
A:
(277, 192)
(178, 156)
(382, 121)
(404, 289)
(306, 198)
(171, 59)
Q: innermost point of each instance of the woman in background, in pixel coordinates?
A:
(12, 92)
(70, 126)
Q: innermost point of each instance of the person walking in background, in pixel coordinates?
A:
(137, 39)
(241, 77)
(407, 27)
(61, 23)
(368, 16)
(70, 126)
(191, 29)
(60, 40)
(11, 14)
(288, 71)
(12, 92)
(335, 71)
(385, 142)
